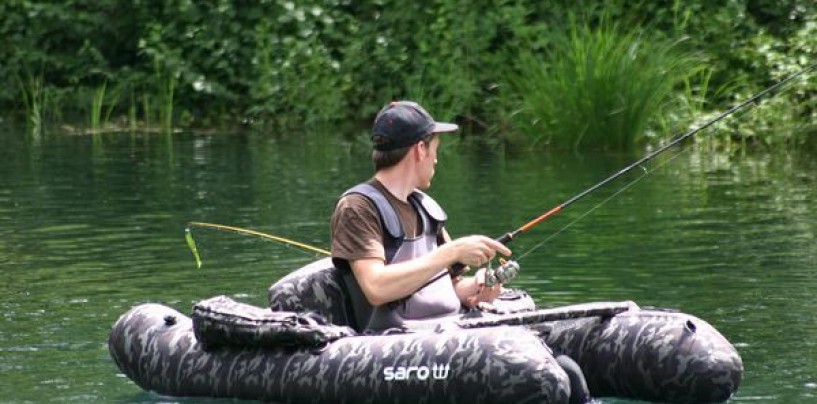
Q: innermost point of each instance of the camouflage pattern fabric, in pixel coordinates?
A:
(154, 346)
(317, 287)
(649, 355)
(221, 321)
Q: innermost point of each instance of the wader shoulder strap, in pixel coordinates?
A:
(430, 206)
(388, 215)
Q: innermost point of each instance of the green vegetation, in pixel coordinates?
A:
(494, 65)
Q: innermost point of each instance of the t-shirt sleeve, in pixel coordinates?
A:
(356, 229)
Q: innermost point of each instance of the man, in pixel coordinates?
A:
(388, 237)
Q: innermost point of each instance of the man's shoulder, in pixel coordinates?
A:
(355, 202)
(353, 211)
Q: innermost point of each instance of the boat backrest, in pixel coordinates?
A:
(316, 287)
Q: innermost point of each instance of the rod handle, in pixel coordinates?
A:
(456, 269)
(505, 238)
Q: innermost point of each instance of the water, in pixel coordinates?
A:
(90, 226)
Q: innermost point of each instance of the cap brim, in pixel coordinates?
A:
(443, 127)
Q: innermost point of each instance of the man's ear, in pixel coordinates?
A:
(420, 150)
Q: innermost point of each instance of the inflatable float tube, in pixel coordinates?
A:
(293, 353)
(652, 355)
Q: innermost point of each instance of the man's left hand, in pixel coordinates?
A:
(484, 293)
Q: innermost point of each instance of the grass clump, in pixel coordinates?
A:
(596, 86)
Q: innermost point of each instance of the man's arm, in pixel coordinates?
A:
(382, 283)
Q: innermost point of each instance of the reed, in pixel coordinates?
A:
(597, 87)
(32, 91)
(132, 107)
(167, 87)
(97, 101)
(103, 103)
(147, 110)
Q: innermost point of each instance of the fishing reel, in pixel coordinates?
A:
(506, 271)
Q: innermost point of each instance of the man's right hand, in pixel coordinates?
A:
(476, 250)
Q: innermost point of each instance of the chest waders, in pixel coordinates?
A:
(436, 298)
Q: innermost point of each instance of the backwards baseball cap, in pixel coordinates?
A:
(404, 123)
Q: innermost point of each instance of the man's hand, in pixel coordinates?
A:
(485, 294)
(476, 251)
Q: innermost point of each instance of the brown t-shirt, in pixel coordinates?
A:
(356, 228)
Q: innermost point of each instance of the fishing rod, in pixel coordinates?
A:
(192, 244)
(508, 237)
(508, 269)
